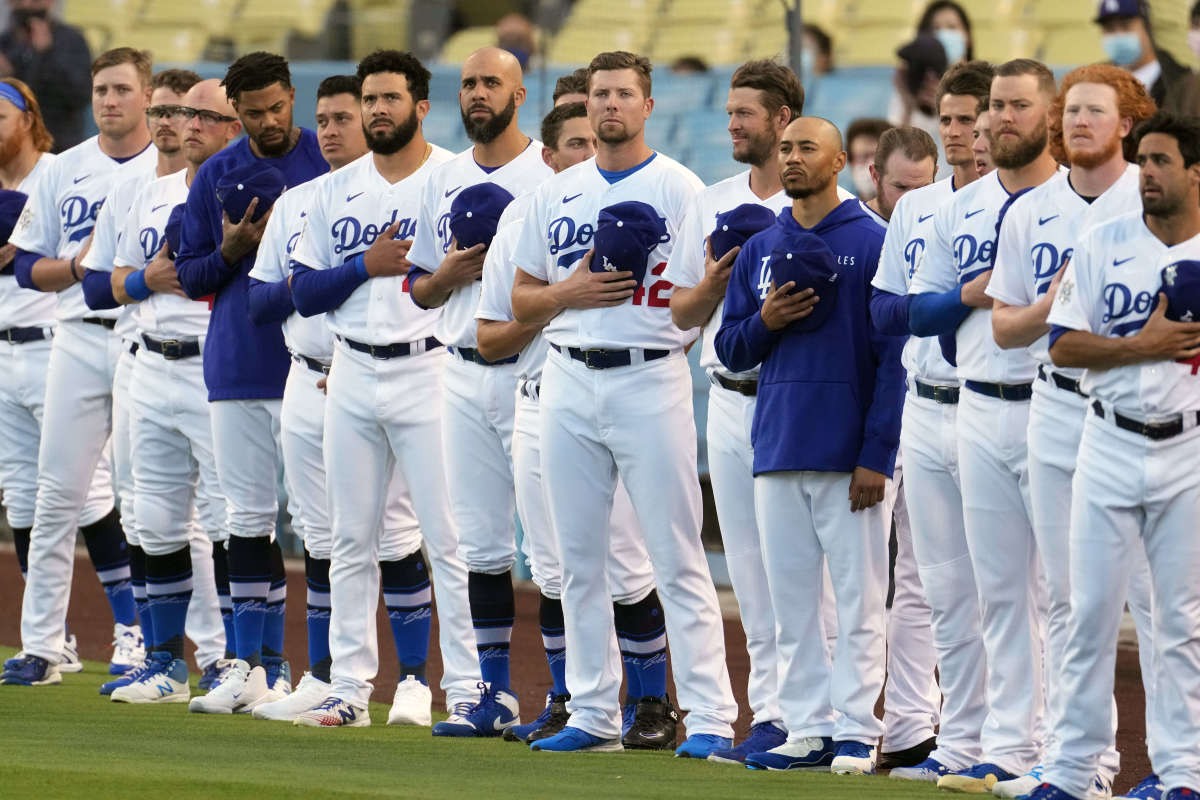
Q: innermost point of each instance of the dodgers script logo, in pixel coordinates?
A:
(351, 235)
(78, 217)
(1047, 261)
(1120, 302)
(443, 232)
(914, 251)
(151, 240)
(563, 233)
(972, 257)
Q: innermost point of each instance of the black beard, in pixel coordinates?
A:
(386, 144)
(486, 131)
(274, 151)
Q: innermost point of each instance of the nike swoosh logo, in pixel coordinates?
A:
(303, 214)
(157, 207)
(350, 197)
(452, 191)
(973, 213)
(1117, 263)
(84, 178)
(572, 197)
(498, 725)
(923, 218)
(1044, 220)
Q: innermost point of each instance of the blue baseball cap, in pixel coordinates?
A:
(237, 187)
(11, 205)
(1181, 285)
(475, 213)
(1118, 9)
(171, 231)
(737, 225)
(807, 260)
(625, 234)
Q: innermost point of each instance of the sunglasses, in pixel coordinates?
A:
(188, 114)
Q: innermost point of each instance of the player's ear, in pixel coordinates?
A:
(422, 109)
(547, 154)
(839, 162)
(519, 96)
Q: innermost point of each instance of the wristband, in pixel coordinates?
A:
(359, 260)
(78, 278)
(135, 285)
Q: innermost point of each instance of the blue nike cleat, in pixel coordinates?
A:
(1048, 791)
(1149, 788)
(702, 745)
(209, 676)
(812, 753)
(930, 770)
(1182, 794)
(763, 737)
(30, 671)
(577, 740)
(853, 758)
(496, 710)
(977, 779)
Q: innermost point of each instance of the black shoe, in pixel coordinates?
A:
(552, 720)
(907, 758)
(654, 725)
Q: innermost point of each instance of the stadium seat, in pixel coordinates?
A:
(637, 13)
(259, 19)
(97, 37)
(899, 13)
(211, 15)
(468, 40)
(107, 14)
(869, 44)
(1071, 46)
(578, 45)
(678, 94)
(707, 40)
(988, 12)
(171, 43)
(1058, 13)
(997, 44)
(720, 12)
(377, 24)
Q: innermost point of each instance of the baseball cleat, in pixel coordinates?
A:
(279, 679)
(576, 740)
(553, 719)
(255, 692)
(977, 779)
(1149, 788)
(412, 704)
(930, 770)
(813, 753)
(129, 677)
(908, 757)
(334, 713)
(702, 745)
(1020, 785)
(70, 656)
(628, 715)
(853, 758)
(1047, 791)
(1101, 789)
(128, 649)
(1182, 794)
(27, 670)
(496, 710)
(763, 737)
(209, 676)
(308, 694)
(655, 720)
(225, 693)
(163, 680)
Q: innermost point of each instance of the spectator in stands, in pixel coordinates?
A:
(816, 52)
(1184, 96)
(1129, 42)
(516, 34)
(689, 65)
(571, 88)
(53, 59)
(862, 140)
(923, 61)
(948, 22)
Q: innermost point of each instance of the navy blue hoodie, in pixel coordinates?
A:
(829, 400)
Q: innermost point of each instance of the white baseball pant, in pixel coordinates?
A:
(635, 422)
(992, 460)
(380, 415)
(1132, 493)
(928, 446)
(73, 475)
(122, 458)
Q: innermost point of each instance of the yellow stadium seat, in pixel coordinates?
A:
(869, 44)
(167, 43)
(212, 15)
(97, 38)
(823, 13)
(901, 13)
(716, 45)
(623, 12)
(1057, 13)
(1071, 47)
(769, 41)
(1001, 43)
(575, 46)
(107, 14)
(462, 44)
(378, 24)
(722, 12)
(266, 19)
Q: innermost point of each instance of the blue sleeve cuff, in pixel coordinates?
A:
(359, 260)
(889, 312)
(933, 314)
(1055, 332)
(414, 275)
(22, 265)
(97, 290)
(135, 285)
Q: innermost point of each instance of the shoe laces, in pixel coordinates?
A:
(30, 662)
(758, 733)
(329, 704)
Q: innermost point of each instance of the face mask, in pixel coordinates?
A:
(808, 63)
(860, 176)
(1193, 40)
(954, 42)
(1122, 48)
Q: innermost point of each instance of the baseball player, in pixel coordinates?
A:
(1124, 312)
(982, 144)
(819, 485)
(382, 413)
(245, 363)
(170, 430)
(571, 88)
(616, 400)
(204, 617)
(648, 719)
(77, 417)
(446, 275)
(992, 419)
(1096, 109)
(931, 486)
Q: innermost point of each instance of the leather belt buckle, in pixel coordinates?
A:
(600, 355)
(172, 349)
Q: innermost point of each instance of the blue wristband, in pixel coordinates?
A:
(135, 285)
(359, 260)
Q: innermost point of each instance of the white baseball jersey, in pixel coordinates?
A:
(904, 246)
(26, 308)
(685, 267)
(350, 209)
(1040, 230)
(1110, 288)
(558, 233)
(962, 247)
(142, 236)
(61, 213)
(495, 296)
(307, 336)
(432, 242)
(870, 212)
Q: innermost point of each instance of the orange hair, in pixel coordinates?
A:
(42, 140)
(1132, 102)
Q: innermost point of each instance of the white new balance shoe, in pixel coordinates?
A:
(334, 713)
(129, 651)
(412, 705)
(224, 694)
(308, 694)
(163, 679)
(70, 656)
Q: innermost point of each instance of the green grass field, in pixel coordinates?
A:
(68, 741)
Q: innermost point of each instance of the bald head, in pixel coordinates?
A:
(490, 93)
(214, 125)
(810, 157)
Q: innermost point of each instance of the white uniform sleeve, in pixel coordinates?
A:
(37, 229)
(1013, 260)
(889, 277)
(103, 248)
(1076, 305)
(938, 271)
(495, 295)
(271, 265)
(531, 255)
(128, 251)
(685, 266)
(315, 248)
(426, 250)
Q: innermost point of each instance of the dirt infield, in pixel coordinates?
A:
(90, 620)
